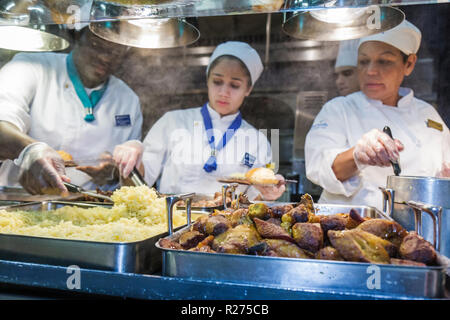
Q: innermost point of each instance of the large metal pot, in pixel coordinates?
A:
(421, 204)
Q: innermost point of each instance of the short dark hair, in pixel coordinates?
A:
(244, 67)
(404, 56)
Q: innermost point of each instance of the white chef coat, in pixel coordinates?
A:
(37, 96)
(344, 120)
(176, 149)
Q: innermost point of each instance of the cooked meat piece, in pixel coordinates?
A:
(190, 239)
(202, 249)
(259, 210)
(307, 201)
(354, 219)
(240, 216)
(309, 236)
(237, 240)
(328, 253)
(277, 212)
(388, 230)
(271, 231)
(282, 248)
(299, 214)
(258, 249)
(206, 242)
(169, 244)
(211, 224)
(404, 262)
(416, 248)
(274, 221)
(360, 246)
(333, 222)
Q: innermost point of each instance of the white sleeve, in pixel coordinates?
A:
(326, 139)
(155, 149)
(136, 133)
(19, 79)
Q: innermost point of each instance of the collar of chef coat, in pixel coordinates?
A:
(406, 95)
(220, 123)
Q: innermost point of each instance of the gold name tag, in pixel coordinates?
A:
(435, 125)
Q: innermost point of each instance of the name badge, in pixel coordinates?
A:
(123, 120)
(435, 125)
(248, 160)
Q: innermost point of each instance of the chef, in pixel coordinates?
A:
(346, 151)
(345, 67)
(69, 102)
(188, 150)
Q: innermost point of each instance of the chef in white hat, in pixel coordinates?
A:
(189, 149)
(346, 150)
(345, 67)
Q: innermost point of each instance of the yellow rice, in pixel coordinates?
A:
(137, 214)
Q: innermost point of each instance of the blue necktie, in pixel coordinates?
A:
(211, 163)
(89, 102)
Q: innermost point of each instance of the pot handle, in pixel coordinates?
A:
(170, 203)
(225, 188)
(388, 201)
(435, 212)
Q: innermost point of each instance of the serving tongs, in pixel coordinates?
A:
(395, 164)
(77, 189)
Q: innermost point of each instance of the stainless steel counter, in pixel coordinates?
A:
(143, 286)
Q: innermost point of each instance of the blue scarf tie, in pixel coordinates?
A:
(211, 163)
(89, 102)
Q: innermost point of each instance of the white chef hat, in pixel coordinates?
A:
(405, 37)
(347, 54)
(243, 52)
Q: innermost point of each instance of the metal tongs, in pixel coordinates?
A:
(77, 189)
(395, 164)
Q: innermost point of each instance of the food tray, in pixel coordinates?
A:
(137, 257)
(199, 197)
(308, 274)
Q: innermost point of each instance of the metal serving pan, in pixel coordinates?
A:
(309, 274)
(136, 257)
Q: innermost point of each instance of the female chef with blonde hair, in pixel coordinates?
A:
(190, 149)
(346, 151)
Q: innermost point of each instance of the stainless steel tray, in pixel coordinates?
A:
(308, 274)
(137, 257)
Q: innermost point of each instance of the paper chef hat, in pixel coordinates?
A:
(405, 37)
(243, 52)
(347, 54)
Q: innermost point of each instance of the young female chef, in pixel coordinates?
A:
(190, 149)
(347, 152)
(71, 102)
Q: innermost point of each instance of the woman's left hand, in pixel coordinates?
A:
(272, 193)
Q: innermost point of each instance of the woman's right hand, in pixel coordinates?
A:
(376, 148)
(127, 156)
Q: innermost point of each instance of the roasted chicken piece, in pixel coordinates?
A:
(307, 201)
(354, 219)
(387, 230)
(271, 230)
(308, 236)
(169, 244)
(211, 224)
(361, 246)
(297, 214)
(277, 212)
(237, 240)
(333, 222)
(282, 248)
(416, 248)
(328, 253)
(202, 249)
(258, 210)
(190, 239)
(239, 216)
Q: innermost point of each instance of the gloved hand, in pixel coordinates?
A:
(376, 148)
(445, 171)
(41, 169)
(127, 156)
(103, 173)
(272, 193)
